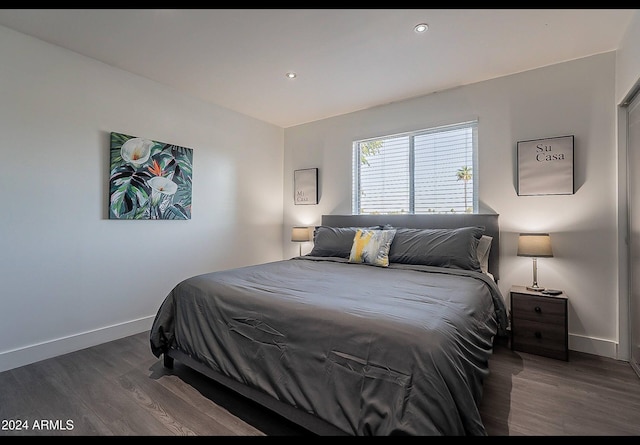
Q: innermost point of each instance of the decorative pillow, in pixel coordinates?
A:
(372, 247)
(484, 248)
(454, 248)
(334, 241)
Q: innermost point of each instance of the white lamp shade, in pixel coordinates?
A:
(535, 245)
(300, 234)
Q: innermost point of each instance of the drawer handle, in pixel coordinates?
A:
(538, 334)
(537, 309)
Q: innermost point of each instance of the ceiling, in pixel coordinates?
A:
(345, 59)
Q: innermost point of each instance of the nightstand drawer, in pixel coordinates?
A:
(540, 338)
(541, 309)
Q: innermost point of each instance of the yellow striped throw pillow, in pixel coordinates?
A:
(372, 247)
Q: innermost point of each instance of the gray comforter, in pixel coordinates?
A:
(371, 350)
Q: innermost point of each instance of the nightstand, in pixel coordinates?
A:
(539, 323)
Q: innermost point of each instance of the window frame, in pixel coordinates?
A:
(356, 165)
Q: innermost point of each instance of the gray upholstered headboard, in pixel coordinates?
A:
(436, 221)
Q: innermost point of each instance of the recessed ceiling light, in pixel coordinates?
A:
(291, 75)
(421, 27)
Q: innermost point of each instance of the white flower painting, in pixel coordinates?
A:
(149, 179)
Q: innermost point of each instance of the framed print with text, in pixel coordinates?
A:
(305, 186)
(545, 166)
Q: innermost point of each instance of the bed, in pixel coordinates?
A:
(385, 328)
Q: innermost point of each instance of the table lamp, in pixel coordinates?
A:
(535, 245)
(300, 235)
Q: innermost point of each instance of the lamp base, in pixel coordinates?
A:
(535, 288)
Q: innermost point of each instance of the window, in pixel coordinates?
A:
(426, 171)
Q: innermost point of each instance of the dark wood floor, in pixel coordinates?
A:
(120, 388)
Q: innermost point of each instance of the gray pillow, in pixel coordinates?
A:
(453, 248)
(335, 241)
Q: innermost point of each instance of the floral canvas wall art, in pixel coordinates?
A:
(149, 179)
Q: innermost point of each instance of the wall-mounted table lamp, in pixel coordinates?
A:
(536, 245)
(300, 235)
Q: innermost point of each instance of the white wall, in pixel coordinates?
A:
(70, 277)
(628, 59)
(573, 98)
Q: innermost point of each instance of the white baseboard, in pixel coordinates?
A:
(596, 346)
(53, 348)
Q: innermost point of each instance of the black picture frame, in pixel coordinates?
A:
(546, 166)
(305, 186)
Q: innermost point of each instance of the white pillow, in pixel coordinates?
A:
(484, 247)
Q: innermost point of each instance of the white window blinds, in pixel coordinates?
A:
(427, 171)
